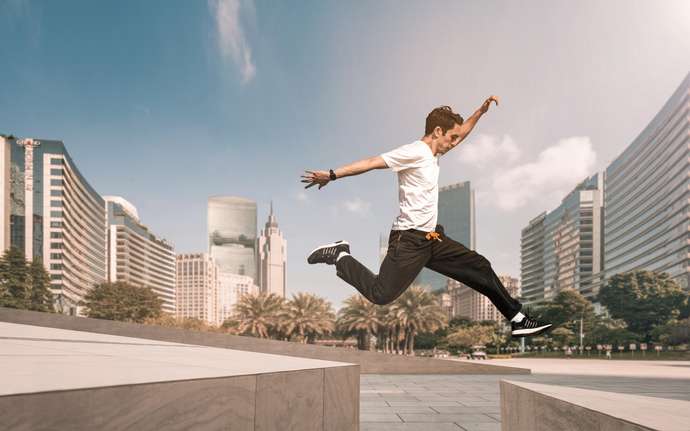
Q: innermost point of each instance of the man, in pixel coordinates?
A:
(415, 240)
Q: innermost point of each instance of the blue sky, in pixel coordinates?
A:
(168, 102)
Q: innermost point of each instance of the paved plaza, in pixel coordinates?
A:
(472, 402)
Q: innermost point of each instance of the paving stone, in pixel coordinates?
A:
(447, 417)
(481, 427)
(409, 427)
(379, 417)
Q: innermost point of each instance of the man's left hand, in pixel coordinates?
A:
(487, 103)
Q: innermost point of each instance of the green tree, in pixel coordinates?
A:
(308, 316)
(566, 309)
(562, 336)
(123, 302)
(260, 315)
(643, 299)
(606, 330)
(41, 298)
(14, 278)
(464, 337)
(417, 311)
(359, 317)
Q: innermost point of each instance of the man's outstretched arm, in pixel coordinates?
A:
(323, 177)
(469, 124)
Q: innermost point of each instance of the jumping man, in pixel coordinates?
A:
(415, 240)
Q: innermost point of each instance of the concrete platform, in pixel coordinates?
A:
(369, 362)
(535, 407)
(60, 379)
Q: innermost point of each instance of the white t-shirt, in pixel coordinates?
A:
(417, 170)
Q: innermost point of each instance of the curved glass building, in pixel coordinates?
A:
(51, 213)
(647, 193)
(232, 234)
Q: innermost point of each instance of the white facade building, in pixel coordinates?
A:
(272, 248)
(136, 256)
(197, 287)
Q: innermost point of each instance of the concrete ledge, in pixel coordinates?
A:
(369, 362)
(59, 379)
(538, 407)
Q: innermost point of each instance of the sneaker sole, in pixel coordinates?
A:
(333, 244)
(531, 331)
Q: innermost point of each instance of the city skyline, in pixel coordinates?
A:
(573, 93)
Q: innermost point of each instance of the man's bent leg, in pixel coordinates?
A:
(456, 261)
(401, 265)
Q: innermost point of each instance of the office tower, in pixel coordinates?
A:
(51, 213)
(646, 204)
(272, 258)
(512, 285)
(532, 260)
(456, 213)
(231, 287)
(570, 245)
(466, 302)
(136, 256)
(197, 287)
(232, 234)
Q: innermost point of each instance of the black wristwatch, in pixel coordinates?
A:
(332, 175)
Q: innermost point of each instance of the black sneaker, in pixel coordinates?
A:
(328, 253)
(528, 327)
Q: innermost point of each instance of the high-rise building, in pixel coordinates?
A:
(456, 213)
(232, 234)
(197, 287)
(467, 302)
(532, 260)
(571, 244)
(272, 258)
(137, 256)
(51, 213)
(231, 287)
(647, 221)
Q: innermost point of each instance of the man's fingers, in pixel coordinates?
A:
(310, 185)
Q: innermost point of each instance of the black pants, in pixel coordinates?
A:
(408, 252)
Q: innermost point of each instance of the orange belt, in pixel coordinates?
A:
(434, 235)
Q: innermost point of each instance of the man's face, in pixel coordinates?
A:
(448, 140)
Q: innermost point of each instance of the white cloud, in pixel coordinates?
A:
(557, 170)
(302, 196)
(232, 41)
(357, 206)
(487, 150)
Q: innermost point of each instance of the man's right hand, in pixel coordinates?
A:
(316, 177)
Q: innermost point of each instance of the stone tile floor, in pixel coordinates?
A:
(472, 402)
(429, 402)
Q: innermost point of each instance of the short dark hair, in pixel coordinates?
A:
(442, 117)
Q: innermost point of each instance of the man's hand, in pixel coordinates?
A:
(316, 177)
(487, 103)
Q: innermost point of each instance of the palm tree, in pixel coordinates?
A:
(361, 317)
(417, 311)
(260, 315)
(308, 316)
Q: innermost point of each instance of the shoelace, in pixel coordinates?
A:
(434, 235)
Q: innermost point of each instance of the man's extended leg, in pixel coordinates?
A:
(404, 260)
(456, 261)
